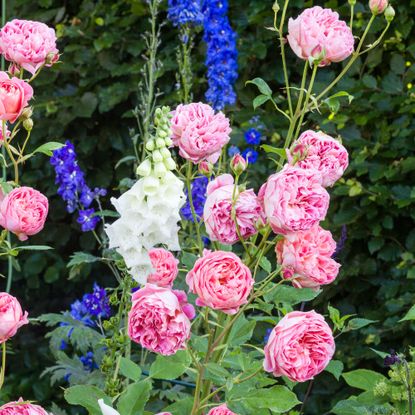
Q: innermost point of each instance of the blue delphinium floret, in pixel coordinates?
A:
(89, 362)
(199, 186)
(182, 12)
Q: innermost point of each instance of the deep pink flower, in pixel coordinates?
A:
(221, 281)
(318, 33)
(21, 408)
(165, 267)
(23, 211)
(322, 153)
(294, 200)
(11, 316)
(158, 320)
(221, 410)
(199, 133)
(299, 347)
(378, 6)
(306, 257)
(28, 44)
(217, 213)
(15, 94)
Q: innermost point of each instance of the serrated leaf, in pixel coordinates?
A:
(79, 258)
(241, 331)
(129, 369)
(265, 264)
(133, 400)
(170, 367)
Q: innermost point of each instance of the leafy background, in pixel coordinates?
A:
(88, 99)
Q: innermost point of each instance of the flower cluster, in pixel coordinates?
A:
(73, 188)
(222, 55)
(199, 186)
(185, 12)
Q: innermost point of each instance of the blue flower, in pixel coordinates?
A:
(233, 150)
(250, 155)
(253, 136)
(182, 12)
(88, 362)
(97, 303)
(221, 55)
(72, 186)
(199, 186)
(267, 334)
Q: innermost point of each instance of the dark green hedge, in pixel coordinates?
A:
(88, 99)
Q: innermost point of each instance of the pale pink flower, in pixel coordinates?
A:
(299, 347)
(164, 413)
(14, 97)
(21, 408)
(306, 257)
(318, 33)
(28, 44)
(378, 6)
(199, 133)
(322, 153)
(11, 316)
(1, 133)
(238, 164)
(217, 212)
(165, 267)
(158, 319)
(23, 211)
(221, 410)
(221, 281)
(294, 200)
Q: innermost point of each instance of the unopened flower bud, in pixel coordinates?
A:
(151, 145)
(170, 163)
(162, 134)
(238, 164)
(157, 157)
(144, 169)
(160, 143)
(51, 58)
(165, 152)
(28, 124)
(378, 6)
(160, 169)
(14, 70)
(389, 13)
(205, 168)
(168, 141)
(276, 7)
(26, 113)
(299, 152)
(352, 2)
(260, 224)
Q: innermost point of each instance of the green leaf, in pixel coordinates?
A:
(358, 323)
(188, 260)
(241, 331)
(216, 373)
(48, 148)
(284, 294)
(262, 86)
(33, 248)
(184, 406)
(124, 160)
(170, 367)
(335, 367)
(349, 407)
(265, 264)
(363, 379)
(133, 400)
(270, 149)
(79, 258)
(380, 353)
(129, 369)
(410, 315)
(86, 396)
(260, 100)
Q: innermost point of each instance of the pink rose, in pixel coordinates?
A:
(14, 97)
(306, 257)
(318, 33)
(164, 413)
(300, 346)
(1, 133)
(294, 200)
(221, 410)
(378, 6)
(199, 133)
(238, 164)
(11, 316)
(21, 408)
(158, 321)
(28, 44)
(165, 266)
(221, 281)
(322, 153)
(23, 211)
(217, 212)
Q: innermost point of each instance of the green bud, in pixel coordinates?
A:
(157, 157)
(160, 143)
(276, 7)
(352, 2)
(165, 152)
(26, 113)
(389, 13)
(170, 163)
(168, 141)
(150, 146)
(160, 169)
(28, 124)
(144, 169)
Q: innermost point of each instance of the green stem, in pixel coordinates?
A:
(351, 16)
(3, 364)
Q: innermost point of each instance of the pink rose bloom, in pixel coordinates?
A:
(23, 211)
(221, 410)
(28, 44)
(322, 153)
(165, 266)
(11, 316)
(306, 257)
(294, 200)
(20, 408)
(318, 32)
(1, 133)
(378, 6)
(300, 346)
(164, 413)
(14, 97)
(199, 133)
(221, 281)
(158, 320)
(217, 212)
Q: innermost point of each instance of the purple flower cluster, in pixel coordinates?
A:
(89, 362)
(221, 56)
(182, 12)
(73, 188)
(199, 186)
